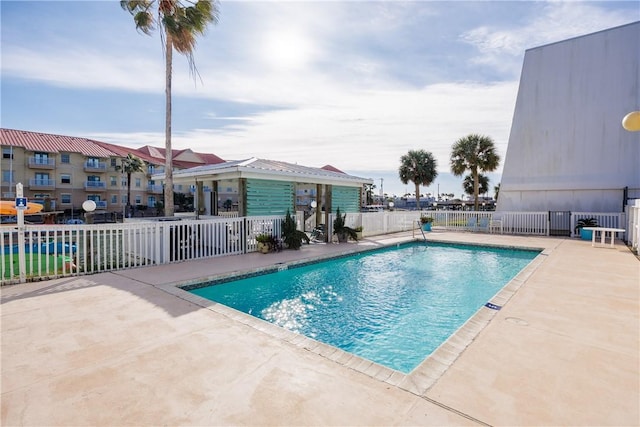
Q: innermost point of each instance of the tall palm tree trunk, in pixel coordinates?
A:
(128, 193)
(168, 163)
(476, 188)
(418, 196)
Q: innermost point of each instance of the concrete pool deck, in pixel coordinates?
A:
(129, 348)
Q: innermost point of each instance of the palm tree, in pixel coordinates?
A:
(483, 184)
(179, 25)
(474, 153)
(496, 190)
(130, 165)
(418, 166)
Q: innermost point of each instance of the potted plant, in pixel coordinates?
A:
(292, 237)
(585, 222)
(341, 230)
(426, 222)
(266, 243)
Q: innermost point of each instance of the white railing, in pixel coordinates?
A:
(230, 214)
(94, 165)
(534, 223)
(95, 185)
(63, 250)
(606, 219)
(41, 161)
(633, 226)
(531, 223)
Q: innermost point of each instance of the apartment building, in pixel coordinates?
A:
(68, 170)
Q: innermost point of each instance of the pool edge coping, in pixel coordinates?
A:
(423, 377)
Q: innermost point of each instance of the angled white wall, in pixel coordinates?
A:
(567, 148)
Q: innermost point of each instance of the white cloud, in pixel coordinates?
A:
(325, 68)
(359, 131)
(502, 45)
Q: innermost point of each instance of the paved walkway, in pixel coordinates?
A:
(128, 348)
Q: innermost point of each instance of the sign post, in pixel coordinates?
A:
(21, 205)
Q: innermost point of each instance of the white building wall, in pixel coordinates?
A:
(567, 148)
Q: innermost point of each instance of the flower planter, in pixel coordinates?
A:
(264, 248)
(426, 226)
(586, 234)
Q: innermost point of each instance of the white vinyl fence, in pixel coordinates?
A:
(62, 250)
(375, 223)
(633, 226)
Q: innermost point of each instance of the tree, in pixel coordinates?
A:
(419, 167)
(496, 190)
(474, 153)
(483, 184)
(130, 165)
(179, 25)
(368, 191)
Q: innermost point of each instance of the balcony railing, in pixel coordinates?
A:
(41, 163)
(152, 170)
(101, 204)
(155, 189)
(95, 166)
(42, 183)
(95, 185)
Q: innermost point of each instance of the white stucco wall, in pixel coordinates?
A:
(567, 148)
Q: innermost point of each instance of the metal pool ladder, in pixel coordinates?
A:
(424, 236)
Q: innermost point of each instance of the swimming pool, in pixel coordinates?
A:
(393, 306)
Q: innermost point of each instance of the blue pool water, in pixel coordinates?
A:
(393, 306)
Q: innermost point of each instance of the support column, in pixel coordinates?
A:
(327, 212)
(214, 198)
(242, 197)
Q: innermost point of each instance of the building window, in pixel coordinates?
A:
(93, 162)
(41, 158)
(65, 158)
(138, 200)
(124, 200)
(65, 179)
(7, 176)
(7, 152)
(114, 162)
(42, 179)
(113, 181)
(151, 201)
(65, 199)
(114, 199)
(138, 183)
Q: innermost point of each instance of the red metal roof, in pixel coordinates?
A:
(331, 168)
(50, 143)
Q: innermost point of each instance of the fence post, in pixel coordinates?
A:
(548, 223)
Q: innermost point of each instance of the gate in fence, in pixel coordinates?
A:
(559, 223)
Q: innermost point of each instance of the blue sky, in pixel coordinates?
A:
(354, 84)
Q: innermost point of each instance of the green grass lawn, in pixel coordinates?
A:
(39, 264)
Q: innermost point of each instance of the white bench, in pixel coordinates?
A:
(603, 233)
